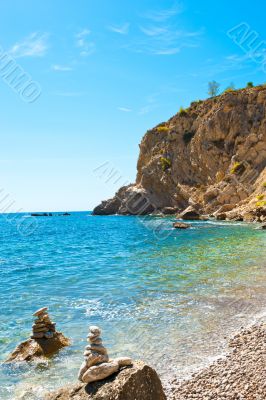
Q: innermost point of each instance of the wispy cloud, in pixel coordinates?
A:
(164, 39)
(226, 69)
(34, 45)
(233, 62)
(159, 33)
(124, 109)
(61, 68)
(87, 47)
(153, 30)
(122, 29)
(161, 15)
(151, 104)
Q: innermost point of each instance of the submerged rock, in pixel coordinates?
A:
(263, 226)
(138, 382)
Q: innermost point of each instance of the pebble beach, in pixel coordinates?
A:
(240, 375)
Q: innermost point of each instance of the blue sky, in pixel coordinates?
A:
(108, 71)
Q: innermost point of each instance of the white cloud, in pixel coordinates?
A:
(166, 52)
(153, 31)
(124, 109)
(58, 67)
(160, 33)
(122, 29)
(163, 39)
(83, 33)
(87, 47)
(34, 45)
(164, 14)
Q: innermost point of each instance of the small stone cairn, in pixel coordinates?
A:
(43, 327)
(97, 365)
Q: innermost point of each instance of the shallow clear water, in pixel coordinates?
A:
(167, 296)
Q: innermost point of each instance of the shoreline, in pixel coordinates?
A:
(239, 373)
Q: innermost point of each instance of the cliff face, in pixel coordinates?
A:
(212, 156)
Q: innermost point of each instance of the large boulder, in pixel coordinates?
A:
(38, 349)
(190, 213)
(139, 382)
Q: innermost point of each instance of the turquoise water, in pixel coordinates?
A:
(167, 296)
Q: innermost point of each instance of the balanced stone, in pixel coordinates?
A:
(40, 311)
(95, 359)
(96, 365)
(43, 327)
(98, 348)
(44, 340)
(37, 330)
(38, 325)
(94, 330)
(99, 372)
(37, 335)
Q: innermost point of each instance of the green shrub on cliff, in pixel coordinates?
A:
(182, 112)
(260, 196)
(261, 203)
(165, 163)
(264, 184)
(230, 88)
(237, 167)
(162, 128)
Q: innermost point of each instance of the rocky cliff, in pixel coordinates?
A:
(211, 155)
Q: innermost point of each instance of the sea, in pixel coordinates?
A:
(169, 297)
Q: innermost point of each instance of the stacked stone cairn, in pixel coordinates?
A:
(43, 327)
(97, 365)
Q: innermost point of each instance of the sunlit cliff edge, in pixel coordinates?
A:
(211, 155)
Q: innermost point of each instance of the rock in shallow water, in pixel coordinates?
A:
(181, 225)
(34, 349)
(139, 382)
(44, 342)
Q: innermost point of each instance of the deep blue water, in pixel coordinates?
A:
(166, 296)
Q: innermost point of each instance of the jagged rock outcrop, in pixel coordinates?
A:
(138, 382)
(129, 200)
(211, 155)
